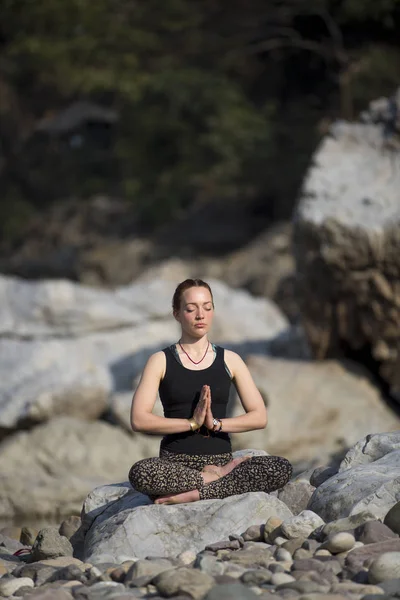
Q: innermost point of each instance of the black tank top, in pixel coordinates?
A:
(179, 394)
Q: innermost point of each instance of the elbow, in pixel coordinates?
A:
(137, 425)
(264, 420)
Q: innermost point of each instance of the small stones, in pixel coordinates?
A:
(254, 533)
(301, 525)
(272, 529)
(185, 581)
(50, 544)
(282, 555)
(8, 587)
(280, 578)
(373, 531)
(339, 542)
(256, 577)
(187, 557)
(392, 518)
(386, 566)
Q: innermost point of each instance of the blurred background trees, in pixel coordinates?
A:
(176, 105)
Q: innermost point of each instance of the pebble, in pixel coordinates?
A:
(282, 555)
(280, 578)
(339, 542)
(386, 566)
(8, 587)
(301, 525)
(187, 557)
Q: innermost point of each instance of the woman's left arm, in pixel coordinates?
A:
(250, 397)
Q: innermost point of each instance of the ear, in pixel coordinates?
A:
(176, 316)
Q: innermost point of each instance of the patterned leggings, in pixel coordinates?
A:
(175, 473)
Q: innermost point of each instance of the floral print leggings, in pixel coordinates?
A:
(174, 473)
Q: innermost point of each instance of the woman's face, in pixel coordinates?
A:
(196, 311)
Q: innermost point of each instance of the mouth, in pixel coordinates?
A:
(200, 325)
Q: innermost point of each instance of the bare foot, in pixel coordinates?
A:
(222, 471)
(191, 496)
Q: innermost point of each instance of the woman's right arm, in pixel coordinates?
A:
(144, 398)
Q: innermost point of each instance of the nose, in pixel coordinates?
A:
(200, 314)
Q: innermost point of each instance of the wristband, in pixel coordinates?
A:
(193, 424)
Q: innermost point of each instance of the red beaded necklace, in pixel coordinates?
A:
(191, 359)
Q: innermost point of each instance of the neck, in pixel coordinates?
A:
(196, 344)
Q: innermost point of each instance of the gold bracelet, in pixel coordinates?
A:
(193, 424)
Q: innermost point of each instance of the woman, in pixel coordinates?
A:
(193, 378)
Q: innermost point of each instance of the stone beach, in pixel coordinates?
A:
(293, 553)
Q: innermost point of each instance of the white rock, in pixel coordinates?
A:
(279, 578)
(65, 347)
(368, 481)
(386, 566)
(130, 526)
(9, 586)
(301, 525)
(339, 542)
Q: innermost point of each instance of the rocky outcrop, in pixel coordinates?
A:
(121, 523)
(368, 481)
(66, 349)
(314, 409)
(347, 248)
(48, 471)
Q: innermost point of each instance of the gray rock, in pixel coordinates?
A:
(392, 518)
(145, 570)
(301, 525)
(209, 565)
(8, 586)
(231, 591)
(339, 542)
(60, 476)
(391, 586)
(322, 474)
(304, 587)
(347, 247)
(280, 578)
(385, 566)
(359, 485)
(184, 580)
(256, 577)
(254, 533)
(296, 495)
(346, 523)
(50, 544)
(253, 558)
(373, 531)
(360, 557)
(70, 526)
(127, 526)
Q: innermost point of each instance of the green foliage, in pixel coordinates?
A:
(197, 93)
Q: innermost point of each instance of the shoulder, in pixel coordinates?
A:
(156, 363)
(234, 362)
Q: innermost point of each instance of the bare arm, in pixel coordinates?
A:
(250, 397)
(144, 398)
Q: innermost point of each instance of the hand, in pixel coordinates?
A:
(208, 421)
(200, 412)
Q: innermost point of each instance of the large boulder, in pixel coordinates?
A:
(315, 409)
(67, 349)
(121, 524)
(47, 472)
(368, 481)
(347, 248)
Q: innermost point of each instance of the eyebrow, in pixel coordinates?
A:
(196, 304)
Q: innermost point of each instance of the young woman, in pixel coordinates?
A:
(193, 378)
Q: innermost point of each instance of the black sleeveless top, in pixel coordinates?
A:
(179, 393)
